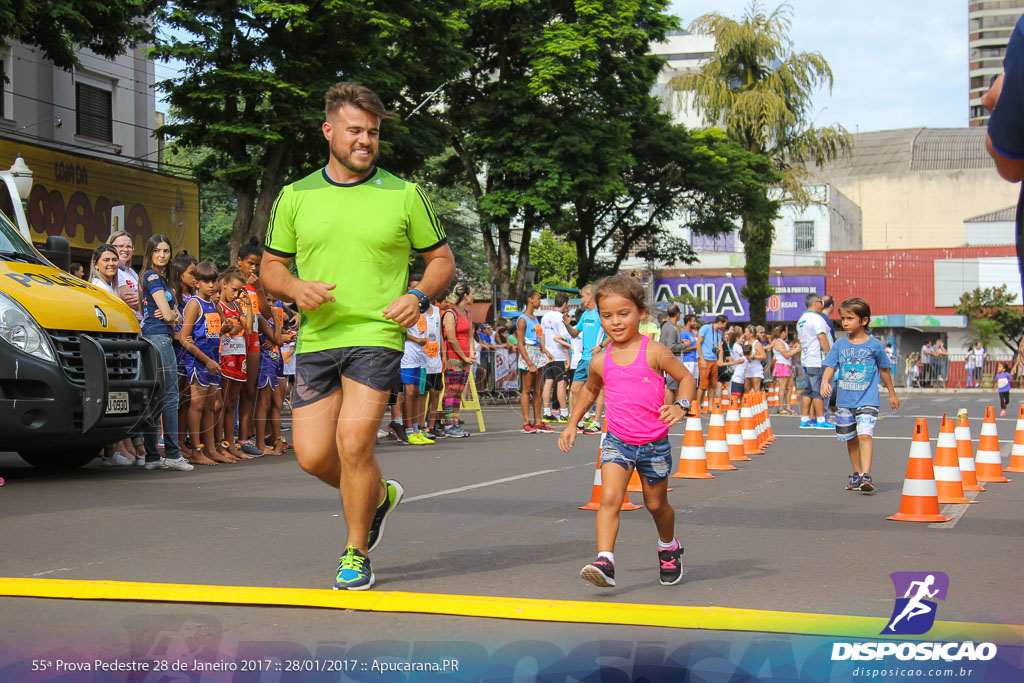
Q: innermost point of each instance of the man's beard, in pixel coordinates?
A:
(348, 163)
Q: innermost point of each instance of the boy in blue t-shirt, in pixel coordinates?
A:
(861, 361)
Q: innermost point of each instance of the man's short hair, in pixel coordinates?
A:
(722, 319)
(688, 317)
(357, 95)
(827, 301)
(561, 299)
(811, 298)
(672, 311)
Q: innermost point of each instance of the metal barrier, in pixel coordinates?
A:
(950, 371)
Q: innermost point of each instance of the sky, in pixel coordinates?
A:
(895, 64)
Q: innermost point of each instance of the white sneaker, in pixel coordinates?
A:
(140, 461)
(160, 464)
(118, 459)
(180, 464)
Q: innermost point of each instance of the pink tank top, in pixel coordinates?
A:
(634, 394)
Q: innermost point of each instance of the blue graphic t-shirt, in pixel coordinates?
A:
(857, 365)
(1003, 380)
(690, 355)
(153, 285)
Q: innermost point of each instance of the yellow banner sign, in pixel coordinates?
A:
(72, 195)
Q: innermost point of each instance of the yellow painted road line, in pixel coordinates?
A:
(578, 612)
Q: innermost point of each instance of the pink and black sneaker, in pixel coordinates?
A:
(600, 572)
(671, 566)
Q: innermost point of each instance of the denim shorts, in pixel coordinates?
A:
(653, 461)
(812, 382)
(858, 421)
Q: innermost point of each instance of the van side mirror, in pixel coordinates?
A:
(57, 250)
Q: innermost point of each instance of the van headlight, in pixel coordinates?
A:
(21, 331)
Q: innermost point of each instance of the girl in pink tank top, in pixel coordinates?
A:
(631, 370)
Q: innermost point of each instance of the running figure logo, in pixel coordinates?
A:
(914, 614)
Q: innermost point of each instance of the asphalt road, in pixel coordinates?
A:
(492, 515)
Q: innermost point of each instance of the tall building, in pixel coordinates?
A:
(683, 53)
(989, 26)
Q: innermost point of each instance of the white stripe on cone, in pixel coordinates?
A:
(692, 453)
(943, 473)
(920, 487)
(920, 449)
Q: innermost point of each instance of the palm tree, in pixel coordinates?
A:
(759, 91)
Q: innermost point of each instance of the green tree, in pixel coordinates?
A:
(993, 312)
(760, 90)
(554, 260)
(59, 27)
(251, 88)
(542, 113)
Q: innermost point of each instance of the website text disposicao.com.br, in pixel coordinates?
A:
(869, 672)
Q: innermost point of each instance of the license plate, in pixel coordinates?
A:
(117, 402)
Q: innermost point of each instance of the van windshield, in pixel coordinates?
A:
(11, 241)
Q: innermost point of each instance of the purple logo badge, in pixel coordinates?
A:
(914, 611)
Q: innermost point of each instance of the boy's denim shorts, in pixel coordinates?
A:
(653, 461)
(851, 422)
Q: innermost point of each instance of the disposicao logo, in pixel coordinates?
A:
(913, 615)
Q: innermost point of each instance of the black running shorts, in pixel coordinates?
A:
(318, 373)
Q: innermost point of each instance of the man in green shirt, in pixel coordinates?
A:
(349, 227)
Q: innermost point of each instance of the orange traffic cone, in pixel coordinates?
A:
(965, 453)
(988, 461)
(1017, 452)
(769, 434)
(734, 435)
(920, 501)
(693, 460)
(755, 410)
(750, 445)
(595, 495)
(773, 396)
(948, 481)
(717, 448)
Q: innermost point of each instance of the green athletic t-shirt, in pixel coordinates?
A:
(358, 236)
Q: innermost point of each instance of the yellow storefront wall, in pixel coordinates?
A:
(72, 195)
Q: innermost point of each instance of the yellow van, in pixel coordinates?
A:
(75, 373)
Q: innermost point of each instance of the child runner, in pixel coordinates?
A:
(286, 323)
(861, 360)
(435, 370)
(248, 262)
(414, 376)
(266, 385)
(630, 369)
(532, 357)
(456, 325)
(200, 336)
(234, 307)
(1003, 379)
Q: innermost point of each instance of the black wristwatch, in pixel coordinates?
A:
(423, 299)
(684, 404)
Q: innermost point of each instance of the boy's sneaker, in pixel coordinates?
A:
(671, 567)
(824, 425)
(393, 493)
(424, 435)
(591, 427)
(118, 459)
(437, 432)
(180, 464)
(806, 424)
(600, 572)
(543, 428)
(562, 419)
(865, 484)
(547, 417)
(159, 464)
(396, 432)
(354, 571)
(528, 429)
(853, 481)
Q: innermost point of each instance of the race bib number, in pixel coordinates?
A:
(431, 349)
(254, 306)
(1002, 383)
(539, 331)
(212, 325)
(232, 346)
(421, 324)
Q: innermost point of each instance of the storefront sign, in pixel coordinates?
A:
(725, 295)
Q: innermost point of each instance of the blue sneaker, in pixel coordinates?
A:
(393, 493)
(354, 572)
(854, 481)
(824, 425)
(865, 484)
(806, 424)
